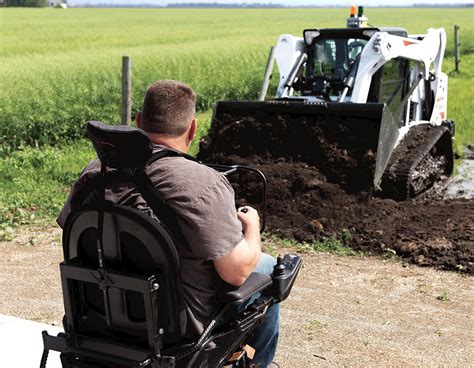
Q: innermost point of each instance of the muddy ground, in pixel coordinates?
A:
(319, 185)
(343, 311)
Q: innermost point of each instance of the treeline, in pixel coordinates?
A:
(447, 5)
(220, 5)
(27, 3)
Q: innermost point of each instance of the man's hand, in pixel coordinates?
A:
(236, 266)
(249, 218)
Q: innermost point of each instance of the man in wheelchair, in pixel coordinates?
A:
(208, 298)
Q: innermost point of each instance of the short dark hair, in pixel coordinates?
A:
(168, 108)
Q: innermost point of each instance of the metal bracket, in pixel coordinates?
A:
(103, 280)
(56, 343)
(167, 361)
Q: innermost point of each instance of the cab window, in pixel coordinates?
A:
(393, 82)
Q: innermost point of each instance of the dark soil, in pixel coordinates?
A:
(312, 196)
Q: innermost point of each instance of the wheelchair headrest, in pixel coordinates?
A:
(120, 146)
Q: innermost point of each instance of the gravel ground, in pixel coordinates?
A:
(343, 311)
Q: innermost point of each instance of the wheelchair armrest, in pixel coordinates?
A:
(255, 283)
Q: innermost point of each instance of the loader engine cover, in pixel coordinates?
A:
(339, 139)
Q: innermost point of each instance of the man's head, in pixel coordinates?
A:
(168, 111)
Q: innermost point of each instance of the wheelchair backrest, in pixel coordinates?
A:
(121, 271)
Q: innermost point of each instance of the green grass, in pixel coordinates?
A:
(334, 244)
(203, 123)
(61, 67)
(460, 101)
(34, 183)
(444, 297)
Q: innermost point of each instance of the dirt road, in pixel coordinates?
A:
(347, 311)
(343, 311)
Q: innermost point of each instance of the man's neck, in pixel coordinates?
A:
(176, 143)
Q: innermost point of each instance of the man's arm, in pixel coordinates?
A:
(235, 267)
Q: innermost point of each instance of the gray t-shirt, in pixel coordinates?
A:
(203, 201)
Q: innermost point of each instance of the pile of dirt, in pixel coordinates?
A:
(310, 138)
(312, 196)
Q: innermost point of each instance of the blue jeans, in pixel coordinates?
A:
(265, 337)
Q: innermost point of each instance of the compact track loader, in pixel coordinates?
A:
(366, 105)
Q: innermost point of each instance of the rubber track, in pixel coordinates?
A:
(415, 146)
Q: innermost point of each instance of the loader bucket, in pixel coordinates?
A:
(340, 139)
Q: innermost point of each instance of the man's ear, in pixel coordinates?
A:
(138, 117)
(192, 130)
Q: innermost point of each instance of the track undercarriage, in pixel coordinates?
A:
(420, 160)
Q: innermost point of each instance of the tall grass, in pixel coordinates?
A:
(460, 101)
(34, 183)
(61, 67)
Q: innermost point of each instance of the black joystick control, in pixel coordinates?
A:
(284, 275)
(279, 268)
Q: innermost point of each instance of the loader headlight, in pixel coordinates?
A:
(309, 36)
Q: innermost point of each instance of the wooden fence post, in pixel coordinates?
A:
(126, 90)
(268, 74)
(456, 48)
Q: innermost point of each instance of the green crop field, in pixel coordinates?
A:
(60, 68)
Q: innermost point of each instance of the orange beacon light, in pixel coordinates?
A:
(353, 11)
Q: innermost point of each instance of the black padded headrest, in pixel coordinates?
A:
(120, 146)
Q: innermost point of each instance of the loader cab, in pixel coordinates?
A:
(390, 85)
(331, 55)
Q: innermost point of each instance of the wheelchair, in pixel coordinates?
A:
(121, 283)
